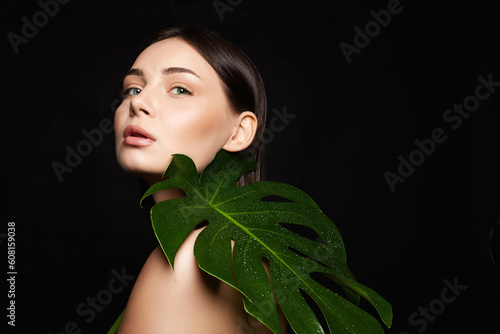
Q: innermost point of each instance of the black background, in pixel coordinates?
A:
(352, 121)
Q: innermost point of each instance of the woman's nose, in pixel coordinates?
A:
(141, 104)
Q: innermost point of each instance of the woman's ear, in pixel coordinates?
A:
(244, 132)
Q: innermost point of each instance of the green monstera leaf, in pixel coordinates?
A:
(262, 230)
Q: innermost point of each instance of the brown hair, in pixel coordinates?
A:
(240, 79)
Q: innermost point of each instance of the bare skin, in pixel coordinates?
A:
(174, 103)
(185, 301)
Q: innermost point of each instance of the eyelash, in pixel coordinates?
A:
(124, 93)
(188, 91)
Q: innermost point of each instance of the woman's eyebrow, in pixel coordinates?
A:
(165, 71)
(135, 71)
(172, 70)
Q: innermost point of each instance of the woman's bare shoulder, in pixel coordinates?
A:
(184, 300)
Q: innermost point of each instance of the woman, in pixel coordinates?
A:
(192, 92)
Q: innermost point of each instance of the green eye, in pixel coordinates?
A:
(129, 92)
(180, 91)
(133, 91)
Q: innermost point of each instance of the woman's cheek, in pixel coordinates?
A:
(119, 120)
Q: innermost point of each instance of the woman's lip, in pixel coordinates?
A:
(136, 136)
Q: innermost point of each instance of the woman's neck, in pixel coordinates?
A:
(162, 195)
(167, 194)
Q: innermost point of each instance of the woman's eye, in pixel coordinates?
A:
(132, 91)
(129, 92)
(180, 91)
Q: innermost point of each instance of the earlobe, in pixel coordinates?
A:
(244, 132)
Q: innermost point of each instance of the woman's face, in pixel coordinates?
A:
(173, 103)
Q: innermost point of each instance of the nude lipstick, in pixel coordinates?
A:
(136, 136)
